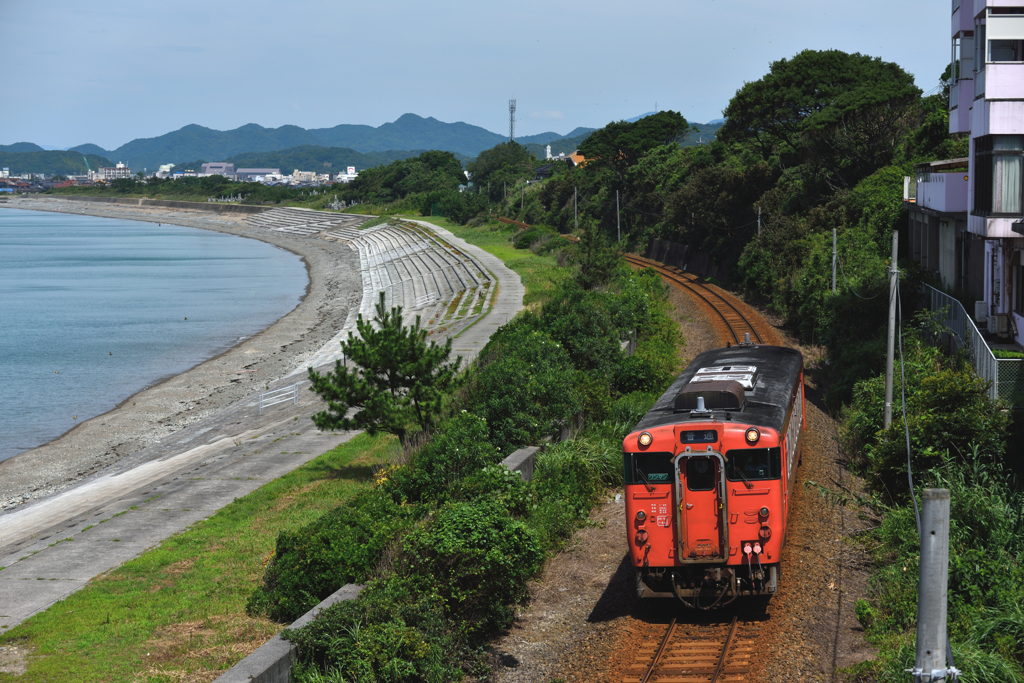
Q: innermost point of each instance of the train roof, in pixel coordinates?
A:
(777, 370)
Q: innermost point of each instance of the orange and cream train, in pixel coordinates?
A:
(709, 473)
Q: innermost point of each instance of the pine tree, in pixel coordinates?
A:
(397, 380)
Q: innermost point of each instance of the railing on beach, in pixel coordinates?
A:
(283, 395)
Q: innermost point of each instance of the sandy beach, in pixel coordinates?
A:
(183, 400)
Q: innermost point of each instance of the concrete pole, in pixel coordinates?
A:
(835, 255)
(759, 221)
(618, 224)
(931, 587)
(891, 341)
(575, 216)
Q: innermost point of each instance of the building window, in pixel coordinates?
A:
(999, 168)
(1006, 50)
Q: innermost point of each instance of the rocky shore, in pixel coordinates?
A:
(183, 400)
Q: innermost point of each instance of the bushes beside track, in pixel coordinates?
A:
(958, 440)
(447, 541)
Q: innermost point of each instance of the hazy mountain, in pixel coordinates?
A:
(21, 147)
(49, 162)
(408, 132)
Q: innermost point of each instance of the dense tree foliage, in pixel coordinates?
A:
(501, 168)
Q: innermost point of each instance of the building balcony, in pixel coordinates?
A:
(940, 186)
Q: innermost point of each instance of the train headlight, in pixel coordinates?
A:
(752, 436)
(645, 439)
(764, 512)
(641, 515)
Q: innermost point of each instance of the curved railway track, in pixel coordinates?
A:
(690, 653)
(729, 314)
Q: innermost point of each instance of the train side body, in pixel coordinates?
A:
(708, 476)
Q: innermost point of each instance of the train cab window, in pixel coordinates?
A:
(655, 468)
(749, 464)
(700, 474)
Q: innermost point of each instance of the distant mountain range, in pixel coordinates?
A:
(408, 132)
(343, 145)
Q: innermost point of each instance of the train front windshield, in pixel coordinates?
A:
(753, 464)
(648, 468)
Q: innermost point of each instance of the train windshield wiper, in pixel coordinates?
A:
(650, 489)
(745, 480)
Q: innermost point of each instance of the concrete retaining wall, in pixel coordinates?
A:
(522, 461)
(686, 258)
(273, 661)
(209, 207)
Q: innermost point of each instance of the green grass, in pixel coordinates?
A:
(177, 612)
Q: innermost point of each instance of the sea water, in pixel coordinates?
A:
(92, 310)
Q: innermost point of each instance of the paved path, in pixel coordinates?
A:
(51, 548)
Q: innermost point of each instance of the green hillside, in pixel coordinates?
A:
(56, 161)
(21, 147)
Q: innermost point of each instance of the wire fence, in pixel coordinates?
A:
(1004, 375)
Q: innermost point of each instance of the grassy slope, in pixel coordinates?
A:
(177, 612)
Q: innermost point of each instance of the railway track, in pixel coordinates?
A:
(691, 653)
(732, 323)
(737, 323)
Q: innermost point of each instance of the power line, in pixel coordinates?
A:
(849, 286)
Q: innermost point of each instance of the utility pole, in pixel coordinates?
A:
(759, 221)
(835, 257)
(618, 223)
(575, 216)
(522, 200)
(933, 576)
(894, 275)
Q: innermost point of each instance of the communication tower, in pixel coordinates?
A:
(512, 120)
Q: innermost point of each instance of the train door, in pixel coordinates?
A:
(700, 508)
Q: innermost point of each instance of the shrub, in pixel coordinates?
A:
(497, 483)
(460, 448)
(527, 390)
(580, 322)
(479, 558)
(342, 546)
(392, 632)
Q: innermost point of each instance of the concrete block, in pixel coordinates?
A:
(522, 461)
(272, 662)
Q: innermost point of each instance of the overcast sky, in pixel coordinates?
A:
(108, 72)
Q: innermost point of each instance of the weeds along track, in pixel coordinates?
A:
(730, 315)
(691, 653)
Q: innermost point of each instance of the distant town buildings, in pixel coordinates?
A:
(219, 168)
(244, 175)
(108, 173)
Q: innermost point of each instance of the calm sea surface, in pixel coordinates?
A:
(93, 310)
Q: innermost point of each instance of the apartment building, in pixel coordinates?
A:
(967, 218)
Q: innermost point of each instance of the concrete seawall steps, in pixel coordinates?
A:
(427, 275)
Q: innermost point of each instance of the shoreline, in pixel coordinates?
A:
(177, 401)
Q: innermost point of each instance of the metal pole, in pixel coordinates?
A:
(618, 223)
(930, 663)
(891, 341)
(835, 256)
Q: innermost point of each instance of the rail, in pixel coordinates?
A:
(278, 396)
(739, 325)
(687, 652)
(1005, 376)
